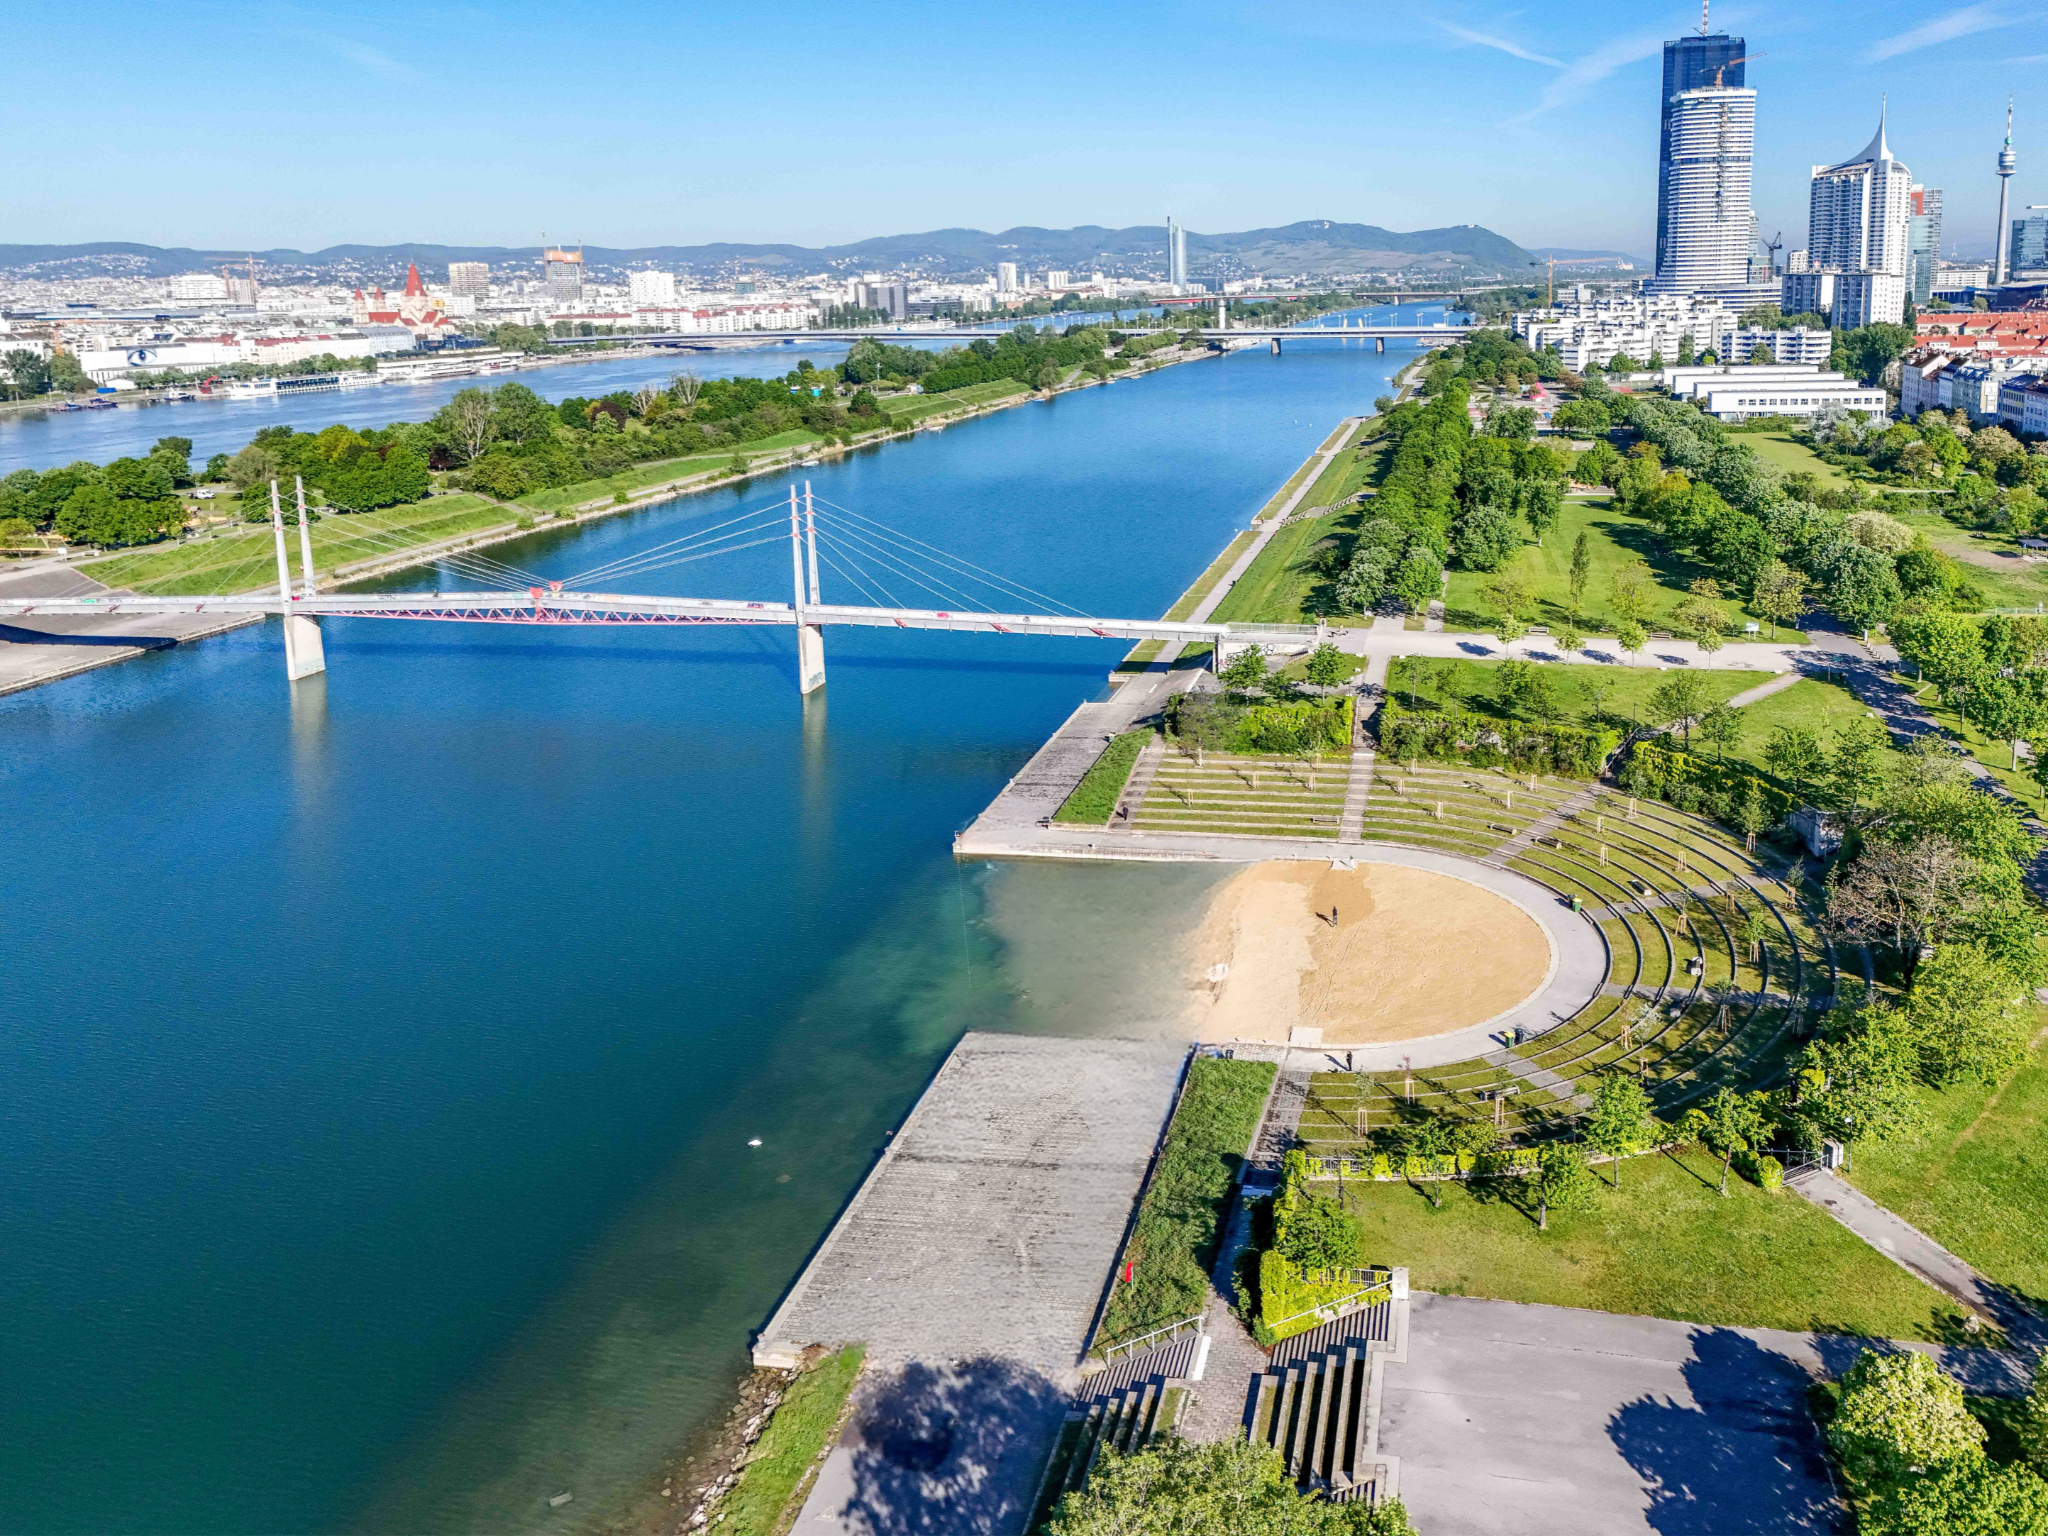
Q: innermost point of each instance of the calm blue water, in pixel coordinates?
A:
(381, 1053)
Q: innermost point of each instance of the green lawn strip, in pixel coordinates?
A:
(1995, 753)
(642, 477)
(1146, 650)
(1094, 799)
(1614, 540)
(1991, 560)
(1664, 1245)
(1810, 702)
(905, 408)
(788, 1448)
(1976, 1180)
(1624, 691)
(1779, 449)
(1277, 586)
(1179, 1218)
(244, 560)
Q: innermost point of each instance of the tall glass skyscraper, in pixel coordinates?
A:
(1690, 64)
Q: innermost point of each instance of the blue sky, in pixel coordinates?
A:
(224, 123)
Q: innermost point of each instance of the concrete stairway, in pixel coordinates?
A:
(1318, 1403)
(1125, 1420)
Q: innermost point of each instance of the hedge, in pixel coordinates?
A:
(1461, 735)
(1094, 799)
(1660, 771)
(1324, 724)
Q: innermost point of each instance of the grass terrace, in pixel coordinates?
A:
(1622, 693)
(904, 409)
(642, 478)
(1245, 794)
(242, 557)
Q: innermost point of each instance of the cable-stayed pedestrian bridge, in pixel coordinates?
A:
(876, 561)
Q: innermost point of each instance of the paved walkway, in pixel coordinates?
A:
(1911, 1249)
(1323, 458)
(1518, 1420)
(46, 649)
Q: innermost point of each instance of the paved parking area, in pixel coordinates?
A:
(1543, 1421)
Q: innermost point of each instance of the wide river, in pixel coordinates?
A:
(382, 1054)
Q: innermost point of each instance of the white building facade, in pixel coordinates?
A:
(647, 289)
(1706, 210)
(1859, 227)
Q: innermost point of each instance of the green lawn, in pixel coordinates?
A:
(1664, 1245)
(1809, 702)
(1995, 755)
(1778, 448)
(788, 1448)
(1094, 799)
(1279, 584)
(1624, 691)
(1614, 540)
(244, 557)
(642, 477)
(907, 408)
(1977, 1180)
(1991, 560)
(1175, 1238)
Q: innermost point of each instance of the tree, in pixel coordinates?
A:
(1701, 618)
(465, 422)
(1328, 666)
(519, 416)
(1246, 670)
(1761, 354)
(1563, 1181)
(1729, 1123)
(1794, 753)
(2005, 709)
(1868, 352)
(1542, 507)
(1858, 765)
(1620, 1123)
(1961, 1496)
(1569, 639)
(1680, 698)
(1630, 637)
(1904, 895)
(1234, 1487)
(1419, 579)
(1857, 1081)
(1581, 571)
(1514, 422)
(1780, 594)
(1899, 1417)
(1721, 727)
(1969, 1016)
(1629, 592)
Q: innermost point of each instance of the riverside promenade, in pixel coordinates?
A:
(972, 1263)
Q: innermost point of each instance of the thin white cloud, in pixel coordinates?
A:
(1582, 74)
(1488, 40)
(375, 61)
(1971, 18)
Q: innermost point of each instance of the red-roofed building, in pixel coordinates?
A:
(414, 309)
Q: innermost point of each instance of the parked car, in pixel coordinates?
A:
(202, 495)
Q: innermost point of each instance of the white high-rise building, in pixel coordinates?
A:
(651, 287)
(1006, 277)
(469, 278)
(1706, 214)
(1861, 212)
(1055, 278)
(1176, 253)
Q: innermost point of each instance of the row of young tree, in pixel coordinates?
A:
(129, 501)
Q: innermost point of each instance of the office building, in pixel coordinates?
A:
(469, 278)
(2030, 243)
(1923, 242)
(563, 271)
(2001, 267)
(1176, 253)
(1006, 277)
(651, 287)
(891, 299)
(1690, 64)
(1703, 214)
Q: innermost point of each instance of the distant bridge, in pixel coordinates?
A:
(1363, 330)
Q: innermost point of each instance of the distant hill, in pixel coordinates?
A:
(1313, 248)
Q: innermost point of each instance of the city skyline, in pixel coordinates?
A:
(1544, 131)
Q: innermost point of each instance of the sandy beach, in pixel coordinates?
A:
(1365, 955)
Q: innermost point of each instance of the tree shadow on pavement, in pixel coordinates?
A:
(953, 1448)
(1746, 1458)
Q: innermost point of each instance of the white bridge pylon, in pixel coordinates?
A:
(554, 603)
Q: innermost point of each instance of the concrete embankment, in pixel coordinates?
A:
(972, 1263)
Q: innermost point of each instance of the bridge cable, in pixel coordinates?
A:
(990, 577)
(901, 561)
(641, 565)
(857, 583)
(357, 522)
(606, 568)
(951, 596)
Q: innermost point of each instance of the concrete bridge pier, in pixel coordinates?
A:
(304, 654)
(1276, 346)
(810, 638)
(1380, 343)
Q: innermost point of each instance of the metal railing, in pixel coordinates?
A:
(1330, 1311)
(1163, 1335)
